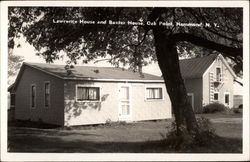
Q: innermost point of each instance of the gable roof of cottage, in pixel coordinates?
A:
(190, 68)
(196, 67)
(94, 73)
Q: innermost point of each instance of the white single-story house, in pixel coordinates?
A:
(87, 95)
(95, 95)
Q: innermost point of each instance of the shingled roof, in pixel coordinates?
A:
(196, 67)
(94, 73)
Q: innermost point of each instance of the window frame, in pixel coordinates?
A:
(47, 106)
(87, 86)
(31, 98)
(154, 99)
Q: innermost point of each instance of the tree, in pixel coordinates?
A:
(133, 36)
(14, 64)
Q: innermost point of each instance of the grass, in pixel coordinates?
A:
(131, 137)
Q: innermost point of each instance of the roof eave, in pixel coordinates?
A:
(227, 65)
(115, 80)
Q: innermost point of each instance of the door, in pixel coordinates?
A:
(191, 99)
(124, 102)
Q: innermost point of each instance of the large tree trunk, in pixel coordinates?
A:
(169, 64)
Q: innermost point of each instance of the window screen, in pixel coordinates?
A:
(88, 93)
(154, 93)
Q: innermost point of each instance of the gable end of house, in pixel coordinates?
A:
(22, 69)
(224, 62)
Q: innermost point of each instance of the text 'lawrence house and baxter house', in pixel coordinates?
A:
(135, 23)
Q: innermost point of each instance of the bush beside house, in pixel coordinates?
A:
(214, 107)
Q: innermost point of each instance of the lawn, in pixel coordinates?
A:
(119, 137)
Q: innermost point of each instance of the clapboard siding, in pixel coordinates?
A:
(53, 114)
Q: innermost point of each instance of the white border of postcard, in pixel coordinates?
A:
(5, 156)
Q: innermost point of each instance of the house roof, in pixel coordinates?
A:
(10, 88)
(196, 67)
(94, 73)
(190, 68)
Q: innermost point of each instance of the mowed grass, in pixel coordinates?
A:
(226, 125)
(132, 137)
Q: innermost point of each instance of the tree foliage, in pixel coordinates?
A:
(123, 42)
(14, 64)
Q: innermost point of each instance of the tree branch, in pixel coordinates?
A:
(198, 18)
(230, 51)
(102, 60)
(144, 37)
(223, 36)
(238, 82)
(139, 43)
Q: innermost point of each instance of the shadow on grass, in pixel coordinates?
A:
(31, 124)
(30, 143)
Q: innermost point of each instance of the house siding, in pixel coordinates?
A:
(205, 88)
(195, 86)
(84, 113)
(143, 109)
(23, 111)
(226, 86)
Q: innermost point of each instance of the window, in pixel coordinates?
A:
(33, 96)
(12, 99)
(216, 96)
(46, 94)
(88, 93)
(218, 74)
(154, 93)
(227, 99)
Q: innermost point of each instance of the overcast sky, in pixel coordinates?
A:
(28, 52)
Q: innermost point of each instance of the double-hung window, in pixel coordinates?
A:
(46, 94)
(154, 93)
(87, 93)
(227, 98)
(33, 96)
(12, 100)
(218, 74)
(216, 96)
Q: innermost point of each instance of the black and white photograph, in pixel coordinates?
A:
(131, 79)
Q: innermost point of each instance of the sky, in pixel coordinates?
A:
(28, 52)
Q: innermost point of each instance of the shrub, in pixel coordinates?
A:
(108, 122)
(186, 141)
(111, 123)
(214, 107)
(206, 132)
(236, 110)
